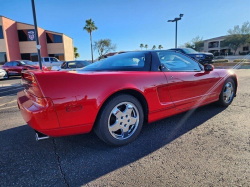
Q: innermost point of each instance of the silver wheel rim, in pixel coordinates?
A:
(228, 92)
(123, 120)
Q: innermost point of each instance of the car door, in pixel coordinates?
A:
(7, 67)
(16, 68)
(188, 83)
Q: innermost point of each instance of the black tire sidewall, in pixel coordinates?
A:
(221, 100)
(102, 124)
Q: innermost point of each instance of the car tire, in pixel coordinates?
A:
(7, 75)
(227, 93)
(120, 120)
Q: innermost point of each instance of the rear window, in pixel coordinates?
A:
(131, 61)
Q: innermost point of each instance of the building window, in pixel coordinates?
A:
(53, 38)
(29, 56)
(213, 44)
(26, 35)
(3, 57)
(245, 48)
(58, 56)
(1, 32)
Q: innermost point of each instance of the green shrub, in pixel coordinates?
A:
(221, 60)
(240, 60)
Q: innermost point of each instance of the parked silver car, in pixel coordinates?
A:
(71, 65)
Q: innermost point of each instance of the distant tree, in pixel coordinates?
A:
(196, 43)
(146, 46)
(160, 47)
(76, 54)
(90, 27)
(154, 47)
(141, 46)
(104, 46)
(237, 36)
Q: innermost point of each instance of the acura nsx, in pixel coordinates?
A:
(117, 95)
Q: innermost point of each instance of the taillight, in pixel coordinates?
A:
(30, 84)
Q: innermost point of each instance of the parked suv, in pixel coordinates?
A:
(201, 57)
(16, 67)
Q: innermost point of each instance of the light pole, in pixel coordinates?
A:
(37, 39)
(176, 20)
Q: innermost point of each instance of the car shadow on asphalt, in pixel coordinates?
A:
(79, 159)
(11, 89)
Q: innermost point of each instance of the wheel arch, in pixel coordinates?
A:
(135, 93)
(235, 82)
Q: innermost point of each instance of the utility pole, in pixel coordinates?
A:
(36, 33)
(176, 20)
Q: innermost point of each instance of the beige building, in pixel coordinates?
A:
(18, 42)
(214, 45)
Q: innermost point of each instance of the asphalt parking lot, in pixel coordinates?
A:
(208, 147)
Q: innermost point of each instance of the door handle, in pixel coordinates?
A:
(171, 77)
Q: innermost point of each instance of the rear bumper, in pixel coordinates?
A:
(38, 117)
(44, 118)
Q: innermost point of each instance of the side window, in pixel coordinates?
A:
(8, 64)
(15, 63)
(46, 59)
(130, 61)
(173, 61)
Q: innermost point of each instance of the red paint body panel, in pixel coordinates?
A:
(76, 98)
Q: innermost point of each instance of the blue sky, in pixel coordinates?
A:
(131, 22)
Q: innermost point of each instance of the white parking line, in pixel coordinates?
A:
(8, 107)
(7, 96)
(12, 85)
(8, 103)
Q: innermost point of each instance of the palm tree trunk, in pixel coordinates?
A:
(91, 46)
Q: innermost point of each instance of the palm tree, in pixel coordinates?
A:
(141, 46)
(76, 54)
(154, 47)
(160, 47)
(90, 27)
(146, 46)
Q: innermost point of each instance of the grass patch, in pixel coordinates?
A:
(240, 60)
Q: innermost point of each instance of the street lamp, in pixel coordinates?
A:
(36, 33)
(176, 20)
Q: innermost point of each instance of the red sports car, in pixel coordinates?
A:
(117, 95)
(17, 66)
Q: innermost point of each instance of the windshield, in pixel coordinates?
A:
(131, 61)
(189, 50)
(54, 59)
(23, 62)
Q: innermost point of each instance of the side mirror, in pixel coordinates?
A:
(208, 67)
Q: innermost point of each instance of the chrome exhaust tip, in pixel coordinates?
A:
(39, 136)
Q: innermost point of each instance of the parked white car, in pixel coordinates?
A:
(3, 74)
(49, 61)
